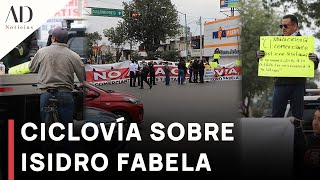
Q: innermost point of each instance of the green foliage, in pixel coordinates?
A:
(117, 36)
(262, 105)
(255, 22)
(306, 11)
(93, 38)
(158, 21)
(109, 57)
(136, 56)
(169, 55)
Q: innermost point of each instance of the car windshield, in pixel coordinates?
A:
(78, 45)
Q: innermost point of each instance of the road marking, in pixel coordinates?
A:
(120, 119)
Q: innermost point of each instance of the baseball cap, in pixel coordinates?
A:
(61, 34)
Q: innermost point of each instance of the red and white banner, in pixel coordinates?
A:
(118, 73)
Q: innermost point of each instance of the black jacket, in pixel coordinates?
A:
(182, 65)
(151, 69)
(145, 70)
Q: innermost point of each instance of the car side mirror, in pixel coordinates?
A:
(91, 94)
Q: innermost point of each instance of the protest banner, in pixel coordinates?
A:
(208, 74)
(286, 56)
(103, 74)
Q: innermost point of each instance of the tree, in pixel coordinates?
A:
(169, 55)
(109, 57)
(117, 36)
(136, 56)
(255, 22)
(156, 21)
(306, 11)
(93, 38)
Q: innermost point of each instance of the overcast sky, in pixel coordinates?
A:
(209, 10)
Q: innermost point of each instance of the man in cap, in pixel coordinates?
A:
(56, 65)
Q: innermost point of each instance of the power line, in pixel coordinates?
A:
(195, 30)
(192, 22)
(201, 17)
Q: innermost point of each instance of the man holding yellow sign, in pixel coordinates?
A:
(290, 59)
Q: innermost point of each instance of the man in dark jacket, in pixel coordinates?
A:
(289, 88)
(181, 71)
(201, 71)
(167, 73)
(152, 73)
(144, 74)
(195, 67)
(190, 68)
(138, 73)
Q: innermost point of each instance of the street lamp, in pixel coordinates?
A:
(186, 33)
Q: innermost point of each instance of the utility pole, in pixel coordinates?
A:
(186, 32)
(80, 7)
(232, 11)
(200, 22)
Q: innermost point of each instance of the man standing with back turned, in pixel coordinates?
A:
(56, 65)
(289, 88)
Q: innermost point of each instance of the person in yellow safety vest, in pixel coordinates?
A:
(21, 53)
(216, 55)
(238, 63)
(213, 64)
(207, 66)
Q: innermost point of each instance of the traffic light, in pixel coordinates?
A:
(136, 14)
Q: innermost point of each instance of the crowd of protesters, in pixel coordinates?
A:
(196, 70)
(140, 71)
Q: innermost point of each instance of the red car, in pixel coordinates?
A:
(119, 103)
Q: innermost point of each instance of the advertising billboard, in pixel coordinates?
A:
(222, 35)
(228, 3)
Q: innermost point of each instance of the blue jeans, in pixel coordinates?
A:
(167, 78)
(281, 95)
(181, 76)
(65, 106)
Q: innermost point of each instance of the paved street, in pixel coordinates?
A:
(209, 102)
(203, 103)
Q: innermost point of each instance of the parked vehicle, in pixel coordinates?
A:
(97, 116)
(311, 102)
(119, 103)
(78, 43)
(310, 105)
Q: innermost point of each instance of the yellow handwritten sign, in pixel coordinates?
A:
(286, 56)
(20, 69)
(216, 56)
